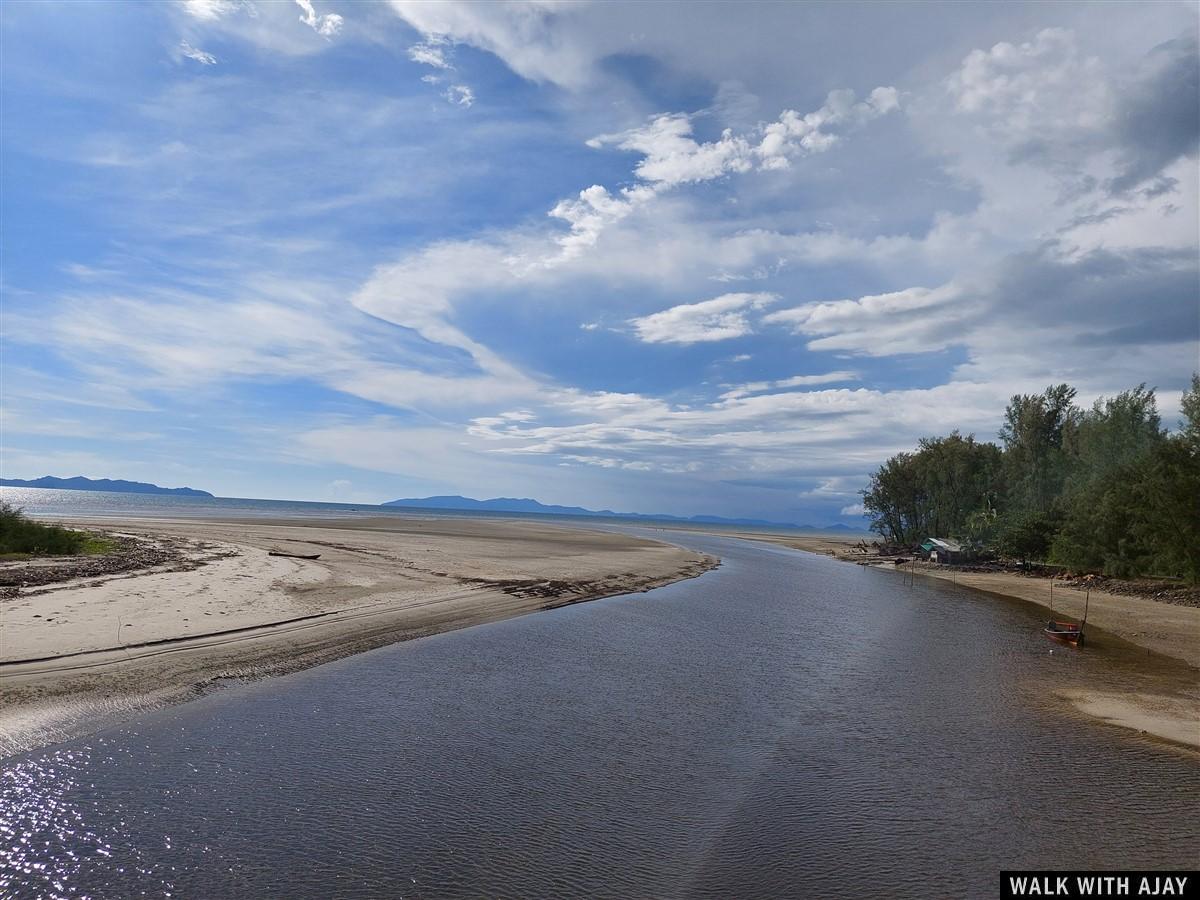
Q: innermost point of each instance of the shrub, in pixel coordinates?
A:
(18, 534)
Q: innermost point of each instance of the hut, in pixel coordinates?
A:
(943, 550)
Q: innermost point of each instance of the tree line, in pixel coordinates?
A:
(1104, 489)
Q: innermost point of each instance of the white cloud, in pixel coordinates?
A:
(909, 321)
(526, 34)
(326, 25)
(460, 95)
(1043, 83)
(835, 434)
(272, 26)
(807, 380)
(187, 50)
(854, 509)
(211, 10)
(671, 156)
(796, 381)
(430, 53)
(589, 215)
(718, 319)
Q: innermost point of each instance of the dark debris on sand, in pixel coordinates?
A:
(131, 554)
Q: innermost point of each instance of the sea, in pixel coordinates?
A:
(785, 725)
(53, 503)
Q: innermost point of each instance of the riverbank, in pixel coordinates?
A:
(1164, 703)
(217, 605)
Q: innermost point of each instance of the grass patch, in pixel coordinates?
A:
(20, 537)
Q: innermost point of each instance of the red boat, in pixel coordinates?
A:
(1067, 632)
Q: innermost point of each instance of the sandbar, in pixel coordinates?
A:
(76, 652)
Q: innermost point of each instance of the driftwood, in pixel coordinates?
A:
(294, 555)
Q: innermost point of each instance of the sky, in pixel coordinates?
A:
(654, 257)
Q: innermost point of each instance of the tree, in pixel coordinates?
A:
(1167, 495)
(1032, 434)
(1027, 536)
(895, 499)
(1106, 489)
(935, 491)
(1108, 448)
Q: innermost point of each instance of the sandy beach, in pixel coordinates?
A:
(1165, 701)
(222, 607)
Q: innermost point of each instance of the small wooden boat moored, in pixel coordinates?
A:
(1067, 632)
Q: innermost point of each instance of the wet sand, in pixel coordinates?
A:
(83, 650)
(1165, 703)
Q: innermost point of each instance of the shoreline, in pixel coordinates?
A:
(1164, 704)
(228, 611)
(382, 581)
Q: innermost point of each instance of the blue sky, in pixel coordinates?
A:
(684, 258)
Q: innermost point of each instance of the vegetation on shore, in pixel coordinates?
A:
(20, 535)
(1104, 489)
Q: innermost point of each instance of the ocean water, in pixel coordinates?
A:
(51, 503)
(783, 726)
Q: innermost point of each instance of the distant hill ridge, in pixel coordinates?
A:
(525, 505)
(79, 483)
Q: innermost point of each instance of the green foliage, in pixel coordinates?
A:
(935, 491)
(1104, 489)
(1027, 536)
(1168, 496)
(1032, 434)
(1108, 449)
(19, 535)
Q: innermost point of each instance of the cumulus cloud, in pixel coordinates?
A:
(1100, 290)
(671, 156)
(1049, 104)
(326, 25)
(718, 319)
(588, 214)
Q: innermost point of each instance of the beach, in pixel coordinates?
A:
(218, 606)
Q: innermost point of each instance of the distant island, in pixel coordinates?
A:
(79, 483)
(525, 505)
